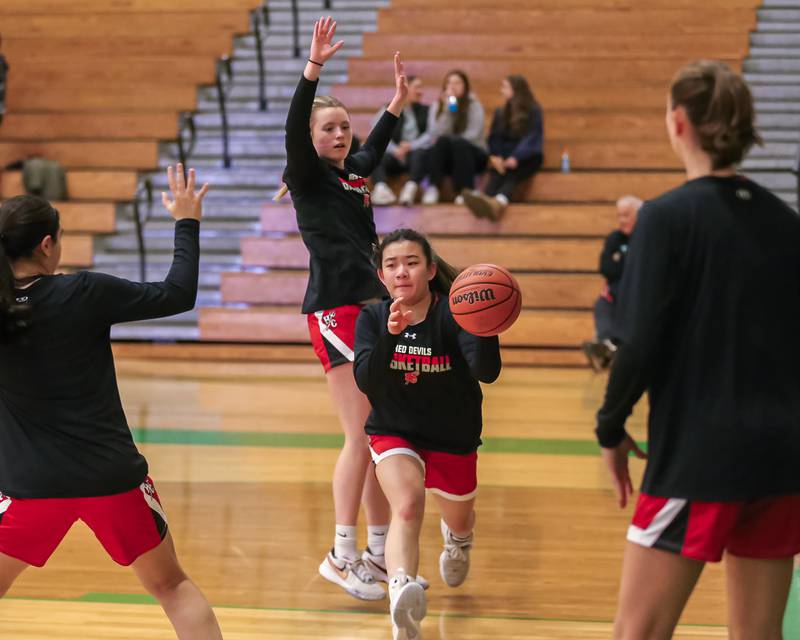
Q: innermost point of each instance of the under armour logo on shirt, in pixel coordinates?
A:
(412, 336)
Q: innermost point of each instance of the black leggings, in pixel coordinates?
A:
(508, 182)
(415, 165)
(455, 156)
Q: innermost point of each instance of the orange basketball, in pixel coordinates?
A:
(485, 299)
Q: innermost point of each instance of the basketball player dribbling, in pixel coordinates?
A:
(421, 372)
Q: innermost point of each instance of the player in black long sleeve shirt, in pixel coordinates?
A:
(329, 191)
(708, 317)
(66, 451)
(421, 373)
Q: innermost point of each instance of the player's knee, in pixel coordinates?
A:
(410, 508)
(162, 587)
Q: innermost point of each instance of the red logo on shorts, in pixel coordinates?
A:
(411, 378)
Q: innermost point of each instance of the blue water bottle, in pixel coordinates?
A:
(452, 104)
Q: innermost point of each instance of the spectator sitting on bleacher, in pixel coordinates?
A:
(3, 74)
(515, 148)
(455, 137)
(600, 352)
(404, 153)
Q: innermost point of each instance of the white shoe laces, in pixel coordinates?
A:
(454, 552)
(361, 571)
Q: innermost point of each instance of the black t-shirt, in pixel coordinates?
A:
(63, 433)
(423, 383)
(333, 209)
(709, 324)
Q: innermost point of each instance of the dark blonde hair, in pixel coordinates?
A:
(320, 102)
(445, 272)
(720, 107)
(325, 102)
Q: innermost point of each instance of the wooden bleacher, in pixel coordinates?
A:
(95, 85)
(601, 70)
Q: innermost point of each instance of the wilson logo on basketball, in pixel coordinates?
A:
(474, 274)
(471, 297)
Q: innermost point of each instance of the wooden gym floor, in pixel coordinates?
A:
(242, 456)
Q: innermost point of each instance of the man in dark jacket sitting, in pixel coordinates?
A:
(600, 352)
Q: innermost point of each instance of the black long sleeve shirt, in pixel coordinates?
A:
(709, 323)
(333, 209)
(423, 384)
(612, 259)
(63, 433)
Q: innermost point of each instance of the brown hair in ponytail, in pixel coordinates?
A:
(24, 222)
(720, 107)
(445, 273)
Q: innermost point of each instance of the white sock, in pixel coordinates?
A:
(376, 538)
(344, 544)
(454, 537)
(501, 199)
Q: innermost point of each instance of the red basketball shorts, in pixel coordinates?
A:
(126, 524)
(765, 528)
(333, 334)
(449, 475)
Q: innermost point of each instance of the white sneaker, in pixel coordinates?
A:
(431, 196)
(454, 561)
(352, 576)
(459, 200)
(408, 194)
(382, 195)
(407, 607)
(376, 565)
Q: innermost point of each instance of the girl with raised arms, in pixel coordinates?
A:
(331, 198)
(66, 452)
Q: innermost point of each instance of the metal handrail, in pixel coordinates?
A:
(256, 20)
(796, 171)
(296, 28)
(224, 82)
(143, 190)
(186, 125)
(326, 4)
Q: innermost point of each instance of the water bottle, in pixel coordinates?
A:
(565, 162)
(452, 104)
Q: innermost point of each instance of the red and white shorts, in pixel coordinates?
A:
(333, 334)
(126, 524)
(449, 475)
(764, 528)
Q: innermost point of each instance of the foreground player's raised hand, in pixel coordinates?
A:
(322, 47)
(399, 317)
(185, 202)
(616, 459)
(400, 86)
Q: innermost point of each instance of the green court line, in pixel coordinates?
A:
(335, 441)
(791, 622)
(139, 599)
(791, 619)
